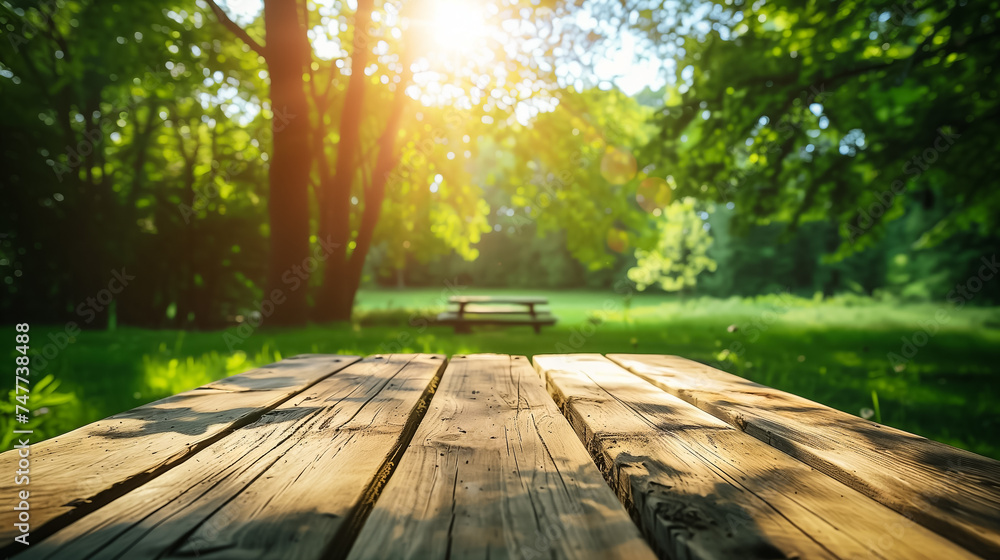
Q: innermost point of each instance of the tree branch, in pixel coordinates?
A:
(335, 215)
(387, 159)
(236, 29)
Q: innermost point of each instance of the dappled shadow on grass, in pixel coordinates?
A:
(405, 318)
(947, 392)
(166, 373)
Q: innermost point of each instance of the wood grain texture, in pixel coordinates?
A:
(286, 486)
(539, 300)
(494, 471)
(700, 488)
(953, 492)
(76, 472)
(498, 309)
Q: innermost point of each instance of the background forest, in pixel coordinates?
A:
(193, 188)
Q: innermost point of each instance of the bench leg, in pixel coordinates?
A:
(463, 329)
(538, 329)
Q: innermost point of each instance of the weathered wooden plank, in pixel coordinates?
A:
(499, 299)
(499, 310)
(450, 317)
(702, 489)
(294, 484)
(494, 471)
(77, 472)
(953, 492)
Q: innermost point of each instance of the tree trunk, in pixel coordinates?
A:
(341, 283)
(190, 233)
(288, 202)
(336, 297)
(832, 284)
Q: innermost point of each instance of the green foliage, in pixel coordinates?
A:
(423, 223)
(126, 150)
(142, 138)
(681, 253)
(164, 376)
(154, 122)
(573, 171)
(832, 351)
(813, 111)
(52, 412)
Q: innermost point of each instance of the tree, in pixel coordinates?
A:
(62, 165)
(681, 253)
(173, 187)
(572, 170)
(350, 170)
(286, 54)
(846, 111)
(123, 158)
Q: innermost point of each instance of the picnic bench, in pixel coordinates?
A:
(477, 456)
(496, 310)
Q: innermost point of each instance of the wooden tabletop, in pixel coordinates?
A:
(526, 300)
(477, 456)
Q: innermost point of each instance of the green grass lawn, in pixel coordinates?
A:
(834, 352)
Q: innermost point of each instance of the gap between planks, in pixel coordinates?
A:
(78, 472)
(495, 471)
(296, 483)
(700, 488)
(948, 490)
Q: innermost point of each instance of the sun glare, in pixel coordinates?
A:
(455, 25)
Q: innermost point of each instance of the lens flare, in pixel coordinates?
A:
(653, 194)
(617, 240)
(618, 166)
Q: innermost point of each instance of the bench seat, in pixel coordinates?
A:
(499, 310)
(463, 322)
